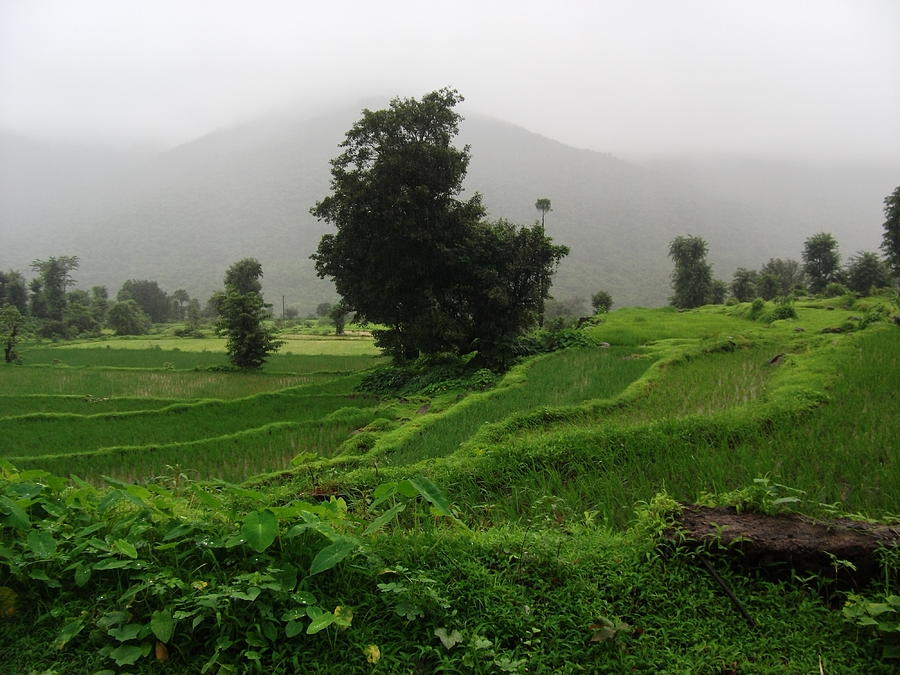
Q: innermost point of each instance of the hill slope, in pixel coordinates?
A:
(182, 216)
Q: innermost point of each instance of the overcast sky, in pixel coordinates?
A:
(789, 78)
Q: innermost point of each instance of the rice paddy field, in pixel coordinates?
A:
(511, 529)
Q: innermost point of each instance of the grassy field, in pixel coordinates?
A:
(515, 529)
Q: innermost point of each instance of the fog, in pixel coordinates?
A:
(815, 80)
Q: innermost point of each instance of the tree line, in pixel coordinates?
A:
(424, 264)
(819, 272)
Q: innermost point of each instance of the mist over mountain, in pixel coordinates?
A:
(182, 216)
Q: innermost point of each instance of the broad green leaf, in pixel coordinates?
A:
(239, 491)
(41, 543)
(24, 490)
(162, 625)
(449, 640)
(125, 655)
(82, 575)
(332, 554)
(260, 529)
(321, 622)
(41, 575)
(114, 564)
(178, 531)
(68, 631)
(14, 515)
(125, 633)
(205, 497)
(126, 548)
(293, 628)
(250, 595)
(385, 518)
(432, 493)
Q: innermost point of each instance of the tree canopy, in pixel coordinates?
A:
(821, 261)
(692, 276)
(890, 240)
(241, 314)
(411, 254)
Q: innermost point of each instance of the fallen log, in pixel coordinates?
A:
(841, 549)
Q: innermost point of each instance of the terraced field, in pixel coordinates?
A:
(513, 529)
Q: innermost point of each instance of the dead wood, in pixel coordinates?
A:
(781, 543)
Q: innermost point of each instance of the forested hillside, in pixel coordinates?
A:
(180, 216)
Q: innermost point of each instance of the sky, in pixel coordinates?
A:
(817, 79)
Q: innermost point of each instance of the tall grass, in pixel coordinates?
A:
(843, 451)
(561, 378)
(178, 359)
(233, 457)
(150, 384)
(11, 406)
(50, 434)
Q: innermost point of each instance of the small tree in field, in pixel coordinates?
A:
(692, 277)
(241, 312)
(12, 324)
(821, 261)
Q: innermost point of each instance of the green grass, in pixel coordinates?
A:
(231, 457)
(11, 406)
(60, 433)
(544, 473)
(562, 378)
(149, 384)
(179, 359)
(843, 451)
(295, 344)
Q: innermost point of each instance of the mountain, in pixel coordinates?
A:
(182, 216)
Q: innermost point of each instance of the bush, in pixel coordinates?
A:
(834, 289)
(756, 308)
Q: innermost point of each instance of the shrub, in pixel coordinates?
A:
(834, 289)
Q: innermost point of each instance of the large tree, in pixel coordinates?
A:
(14, 290)
(409, 253)
(743, 284)
(788, 273)
(692, 276)
(149, 296)
(890, 240)
(49, 294)
(241, 313)
(821, 261)
(865, 271)
(12, 325)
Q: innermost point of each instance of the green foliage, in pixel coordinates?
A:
(12, 327)
(890, 238)
(152, 300)
(879, 617)
(787, 273)
(224, 583)
(410, 255)
(692, 277)
(743, 285)
(821, 261)
(835, 289)
(13, 290)
(127, 318)
(866, 271)
(49, 293)
(756, 308)
(601, 301)
(241, 314)
(427, 378)
(784, 309)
